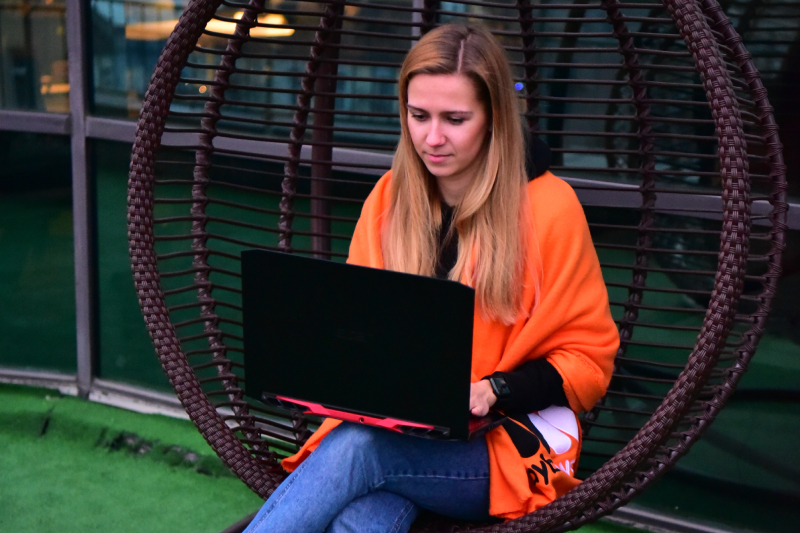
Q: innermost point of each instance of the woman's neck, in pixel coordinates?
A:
(452, 191)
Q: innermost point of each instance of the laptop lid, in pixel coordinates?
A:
(366, 341)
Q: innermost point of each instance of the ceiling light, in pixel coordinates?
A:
(160, 30)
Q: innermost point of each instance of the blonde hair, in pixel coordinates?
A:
(491, 220)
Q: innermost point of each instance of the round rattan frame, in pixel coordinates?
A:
(701, 389)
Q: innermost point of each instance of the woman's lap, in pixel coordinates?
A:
(447, 477)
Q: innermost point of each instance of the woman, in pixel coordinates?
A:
(458, 204)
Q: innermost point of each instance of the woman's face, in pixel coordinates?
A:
(448, 127)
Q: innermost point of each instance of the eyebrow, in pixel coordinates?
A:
(465, 113)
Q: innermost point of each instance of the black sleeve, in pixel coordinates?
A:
(534, 385)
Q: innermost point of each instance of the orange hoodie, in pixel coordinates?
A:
(571, 327)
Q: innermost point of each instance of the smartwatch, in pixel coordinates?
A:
(500, 387)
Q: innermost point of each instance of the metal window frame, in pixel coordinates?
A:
(77, 20)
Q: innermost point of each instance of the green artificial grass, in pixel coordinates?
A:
(70, 465)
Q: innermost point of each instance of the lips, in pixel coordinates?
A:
(437, 158)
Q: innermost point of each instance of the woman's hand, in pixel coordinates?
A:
(481, 398)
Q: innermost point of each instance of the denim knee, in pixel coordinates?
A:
(353, 448)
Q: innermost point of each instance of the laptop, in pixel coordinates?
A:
(366, 345)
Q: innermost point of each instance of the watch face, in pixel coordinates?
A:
(500, 387)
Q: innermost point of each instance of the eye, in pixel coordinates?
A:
(456, 121)
(419, 117)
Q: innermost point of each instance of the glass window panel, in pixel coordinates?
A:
(33, 56)
(37, 276)
(129, 35)
(741, 470)
(771, 33)
(127, 38)
(126, 353)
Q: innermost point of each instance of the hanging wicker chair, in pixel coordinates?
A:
(266, 125)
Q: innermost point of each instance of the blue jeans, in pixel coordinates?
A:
(369, 480)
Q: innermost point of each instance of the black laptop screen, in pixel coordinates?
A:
(359, 339)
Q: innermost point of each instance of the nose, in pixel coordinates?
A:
(435, 136)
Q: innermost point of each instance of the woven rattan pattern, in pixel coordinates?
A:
(669, 402)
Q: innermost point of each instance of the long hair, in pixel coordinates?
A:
(491, 220)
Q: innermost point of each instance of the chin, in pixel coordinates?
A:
(439, 172)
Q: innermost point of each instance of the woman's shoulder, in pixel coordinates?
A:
(384, 180)
(383, 185)
(551, 195)
(380, 192)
